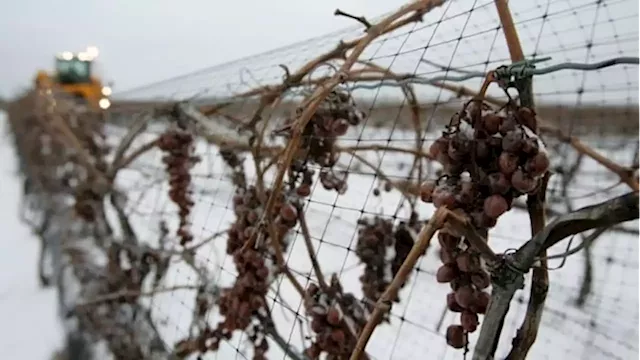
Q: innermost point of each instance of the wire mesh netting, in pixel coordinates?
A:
(405, 86)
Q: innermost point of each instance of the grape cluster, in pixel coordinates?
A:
(336, 318)
(463, 269)
(248, 208)
(489, 158)
(179, 158)
(383, 247)
(332, 119)
(243, 305)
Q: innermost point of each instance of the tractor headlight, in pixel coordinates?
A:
(104, 103)
(106, 91)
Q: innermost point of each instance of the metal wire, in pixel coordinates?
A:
(518, 69)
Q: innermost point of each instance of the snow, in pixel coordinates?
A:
(30, 328)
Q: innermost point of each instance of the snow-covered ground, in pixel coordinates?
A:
(605, 328)
(29, 328)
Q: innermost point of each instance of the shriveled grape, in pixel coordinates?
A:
(448, 241)
(452, 304)
(464, 296)
(338, 336)
(469, 320)
(523, 182)
(426, 190)
(492, 123)
(508, 163)
(447, 256)
(443, 198)
(339, 127)
(480, 280)
(288, 212)
(495, 205)
(513, 141)
(481, 302)
(499, 183)
(508, 125)
(456, 337)
(538, 164)
(439, 148)
(467, 262)
(446, 273)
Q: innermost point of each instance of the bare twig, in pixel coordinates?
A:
(311, 251)
(136, 128)
(626, 174)
(128, 293)
(360, 19)
(126, 161)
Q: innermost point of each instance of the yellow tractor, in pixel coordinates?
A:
(73, 75)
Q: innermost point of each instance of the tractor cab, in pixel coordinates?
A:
(74, 74)
(73, 70)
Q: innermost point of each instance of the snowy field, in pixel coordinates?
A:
(606, 327)
(30, 327)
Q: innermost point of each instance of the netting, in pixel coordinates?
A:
(274, 199)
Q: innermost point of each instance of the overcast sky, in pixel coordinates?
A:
(146, 40)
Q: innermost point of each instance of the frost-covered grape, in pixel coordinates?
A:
(499, 183)
(507, 163)
(522, 182)
(288, 212)
(439, 148)
(492, 123)
(339, 127)
(508, 125)
(495, 205)
(530, 146)
(443, 197)
(527, 117)
(538, 164)
(513, 141)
